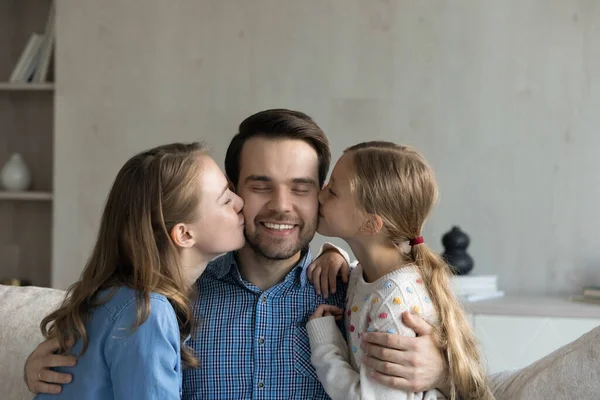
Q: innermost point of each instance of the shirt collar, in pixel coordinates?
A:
(229, 265)
(227, 261)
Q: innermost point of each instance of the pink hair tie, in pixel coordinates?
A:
(414, 242)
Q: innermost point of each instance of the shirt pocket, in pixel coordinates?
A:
(301, 352)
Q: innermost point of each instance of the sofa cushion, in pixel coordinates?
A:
(570, 372)
(21, 311)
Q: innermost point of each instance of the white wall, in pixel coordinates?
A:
(501, 97)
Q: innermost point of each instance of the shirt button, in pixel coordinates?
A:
(263, 299)
(261, 384)
(261, 340)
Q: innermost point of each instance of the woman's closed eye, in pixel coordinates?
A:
(228, 198)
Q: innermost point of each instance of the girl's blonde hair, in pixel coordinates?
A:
(152, 192)
(396, 183)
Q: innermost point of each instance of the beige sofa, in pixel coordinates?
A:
(571, 372)
(21, 310)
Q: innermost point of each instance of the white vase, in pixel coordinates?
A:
(15, 175)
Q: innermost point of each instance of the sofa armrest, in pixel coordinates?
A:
(571, 372)
(21, 311)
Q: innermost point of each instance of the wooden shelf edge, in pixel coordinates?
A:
(16, 87)
(26, 196)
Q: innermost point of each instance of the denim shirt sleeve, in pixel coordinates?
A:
(144, 364)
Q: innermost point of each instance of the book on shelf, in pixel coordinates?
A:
(471, 297)
(591, 295)
(592, 291)
(34, 62)
(476, 287)
(28, 60)
(474, 283)
(46, 50)
(586, 299)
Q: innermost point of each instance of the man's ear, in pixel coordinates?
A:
(372, 225)
(181, 236)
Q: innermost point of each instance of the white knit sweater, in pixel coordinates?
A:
(370, 307)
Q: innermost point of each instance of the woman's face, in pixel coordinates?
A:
(219, 227)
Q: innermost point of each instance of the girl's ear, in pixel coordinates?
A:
(373, 224)
(181, 236)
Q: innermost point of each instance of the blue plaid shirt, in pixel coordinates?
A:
(253, 344)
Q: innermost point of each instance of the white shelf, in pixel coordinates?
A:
(26, 196)
(16, 87)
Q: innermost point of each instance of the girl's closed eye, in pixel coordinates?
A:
(331, 191)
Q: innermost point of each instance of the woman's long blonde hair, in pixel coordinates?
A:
(396, 183)
(152, 192)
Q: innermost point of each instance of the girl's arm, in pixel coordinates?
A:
(143, 364)
(331, 359)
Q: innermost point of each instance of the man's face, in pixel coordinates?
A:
(279, 182)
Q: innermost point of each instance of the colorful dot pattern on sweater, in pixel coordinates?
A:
(378, 306)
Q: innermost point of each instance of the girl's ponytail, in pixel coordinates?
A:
(453, 334)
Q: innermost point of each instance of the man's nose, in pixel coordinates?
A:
(281, 201)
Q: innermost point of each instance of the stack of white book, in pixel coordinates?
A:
(476, 287)
(34, 62)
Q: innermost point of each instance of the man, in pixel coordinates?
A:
(252, 306)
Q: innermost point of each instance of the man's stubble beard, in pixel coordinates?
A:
(275, 251)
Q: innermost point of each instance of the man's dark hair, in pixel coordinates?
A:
(278, 124)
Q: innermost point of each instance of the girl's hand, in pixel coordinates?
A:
(326, 310)
(323, 272)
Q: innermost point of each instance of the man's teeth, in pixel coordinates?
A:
(278, 227)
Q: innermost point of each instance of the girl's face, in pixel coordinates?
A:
(339, 215)
(219, 227)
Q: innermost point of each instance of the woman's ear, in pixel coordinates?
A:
(181, 236)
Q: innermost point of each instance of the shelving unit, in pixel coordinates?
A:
(26, 127)
(19, 87)
(26, 196)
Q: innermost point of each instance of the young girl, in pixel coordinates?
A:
(169, 212)
(377, 200)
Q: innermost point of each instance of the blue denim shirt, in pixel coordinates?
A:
(119, 364)
(253, 344)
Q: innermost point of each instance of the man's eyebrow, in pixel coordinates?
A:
(259, 178)
(305, 181)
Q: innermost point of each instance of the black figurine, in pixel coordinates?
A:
(455, 244)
